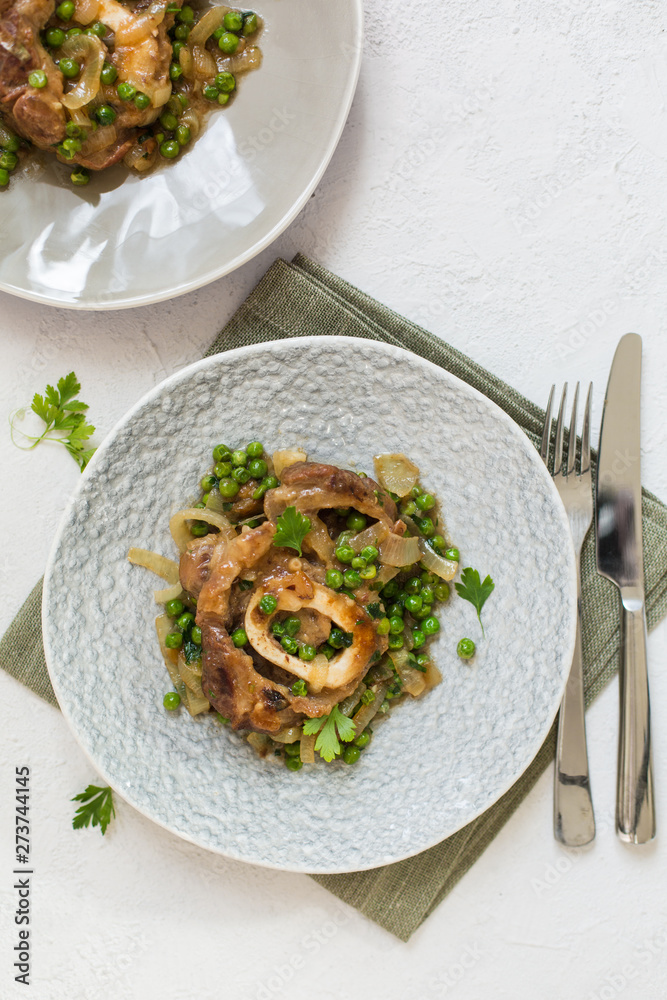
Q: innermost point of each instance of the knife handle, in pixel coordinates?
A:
(635, 810)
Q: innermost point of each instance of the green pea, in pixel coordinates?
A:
(327, 651)
(250, 24)
(207, 483)
(367, 697)
(427, 594)
(9, 141)
(142, 101)
(422, 662)
(307, 652)
(181, 32)
(173, 640)
(73, 32)
(466, 649)
(426, 526)
(383, 626)
(167, 120)
(334, 579)
(55, 37)
(416, 491)
(65, 10)
(358, 562)
(441, 591)
(299, 689)
(356, 522)
(425, 501)
(174, 608)
(278, 629)
(69, 68)
(369, 553)
(272, 482)
(186, 15)
(226, 82)
(176, 49)
(396, 609)
(200, 505)
(423, 614)
(430, 625)
(170, 149)
(4, 177)
(182, 135)
(409, 508)
(222, 469)
(351, 754)
(73, 130)
(428, 579)
(438, 544)
(221, 453)
(289, 644)
(171, 700)
(79, 177)
(418, 638)
(292, 625)
(233, 20)
(108, 74)
(293, 763)
(98, 29)
(228, 42)
(195, 634)
(396, 625)
(239, 637)
(368, 573)
(239, 458)
(198, 529)
(339, 639)
(241, 475)
(8, 161)
(396, 642)
(363, 739)
(127, 92)
(218, 33)
(38, 78)
(175, 71)
(345, 553)
(258, 468)
(268, 604)
(390, 590)
(413, 602)
(105, 114)
(351, 578)
(453, 554)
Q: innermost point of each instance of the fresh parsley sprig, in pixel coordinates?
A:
(97, 809)
(291, 529)
(65, 420)
(475, 591)
(332, 728)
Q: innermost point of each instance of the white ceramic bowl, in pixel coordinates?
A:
(126, 240)
(437, 762)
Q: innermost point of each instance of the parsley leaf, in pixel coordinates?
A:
(474, 591)
(63, 414)
(291, 529)
(331, 728)
(97, 809)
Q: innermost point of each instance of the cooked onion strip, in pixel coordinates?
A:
(241, 62)
(205, 27)
(135, 29)
(396, 473)
(160, 565)
(203, 63)
(290, 456)
(374, 535)
(367, 712)
(89, 51)
(397, 551)
(168, 593)
(385, 574)
(307, 753)
(86, 11)
(445, 568)
(99, 139)
(288, 734)
(163, 626)
(181, 533)
(413, 681)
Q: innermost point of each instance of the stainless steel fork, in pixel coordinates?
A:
(574, 822)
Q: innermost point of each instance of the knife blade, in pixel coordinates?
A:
(618, 535)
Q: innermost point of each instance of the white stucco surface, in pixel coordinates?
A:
(502, 181)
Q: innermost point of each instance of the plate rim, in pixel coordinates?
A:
(275, 347)
(136, 302)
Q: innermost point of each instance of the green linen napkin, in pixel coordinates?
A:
(301, 299)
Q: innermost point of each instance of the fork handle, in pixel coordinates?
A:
(574, 822)
(635, 811)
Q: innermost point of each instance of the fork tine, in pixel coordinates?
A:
(558, 449)
(586, 432)
(546, 433)
(572, 446)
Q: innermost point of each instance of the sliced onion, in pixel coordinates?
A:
(103, 137)
(347, 705)
(203, 63)
(319, 540)
(85, 11)
(241, 62)
(139, 159)
(159, 92)
(168, 593)
(385, 574)
(191, 119)
(215, 502)
(288, 734)
(89, 51)
(432, 676)
(374, 535)
(366, 712)
(135, 29)
(445, 568)
(396, 473)
(160, 565)
(259, 742)
(163, 626)
(187, 63)
(181, 533)
(307, 753)
(204, 28)
(290, 456)
(397, 551)
(413, 681)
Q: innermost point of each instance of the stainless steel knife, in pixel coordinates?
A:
(618, 532)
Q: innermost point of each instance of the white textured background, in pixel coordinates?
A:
(502, 181)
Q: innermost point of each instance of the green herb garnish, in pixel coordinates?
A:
(64, 417)
(331, 728)
(474, 591)
(97, 809)
(291, 529)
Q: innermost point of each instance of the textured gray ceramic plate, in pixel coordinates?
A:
(437, 762)
(129, 240)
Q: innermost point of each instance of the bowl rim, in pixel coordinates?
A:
(277, 346)
(355, 46)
